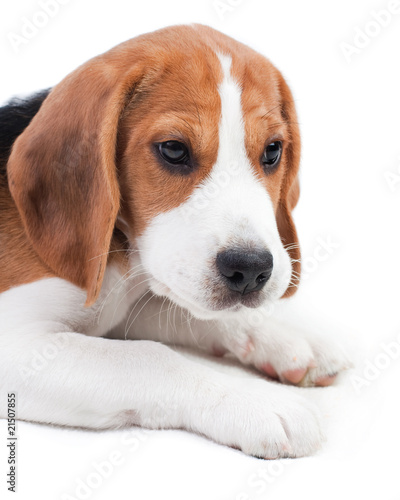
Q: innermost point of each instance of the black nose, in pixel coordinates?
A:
(245, 271)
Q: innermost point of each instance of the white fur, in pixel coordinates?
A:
(64, 377)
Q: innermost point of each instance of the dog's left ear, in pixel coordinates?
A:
(290, 190)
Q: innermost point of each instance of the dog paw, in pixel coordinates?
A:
(291, 356)
(267, 421)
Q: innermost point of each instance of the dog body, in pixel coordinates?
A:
(149, 198)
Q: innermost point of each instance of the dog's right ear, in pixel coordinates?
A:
(62, 172)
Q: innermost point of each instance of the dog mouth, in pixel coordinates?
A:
(237, 301)
(219, 301)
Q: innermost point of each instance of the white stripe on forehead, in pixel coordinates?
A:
(243, 200)
(231, 124)
(232, 159)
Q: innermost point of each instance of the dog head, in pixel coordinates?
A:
(188, 141)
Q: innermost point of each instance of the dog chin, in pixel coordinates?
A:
(219, 307)
(213, 313)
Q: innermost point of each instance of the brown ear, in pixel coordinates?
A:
(62, 172)
(290, 190)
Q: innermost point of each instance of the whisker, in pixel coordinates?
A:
(121, 280)
(140, 310)
(132, 310)
(168, 313)
(126, 250)
(282, 123)
(270, 111)
(190, 317)
(128, 292)
(174, 321)
(159, 314)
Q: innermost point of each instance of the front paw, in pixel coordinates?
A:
(265, 420)
(291, 356)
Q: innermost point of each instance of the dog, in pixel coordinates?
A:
(147, 200)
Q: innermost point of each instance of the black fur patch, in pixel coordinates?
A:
(15, 116)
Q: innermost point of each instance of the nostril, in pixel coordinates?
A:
(262, 277)
(236, 277)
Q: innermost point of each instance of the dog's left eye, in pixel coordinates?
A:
(174, 152)
(272, 154)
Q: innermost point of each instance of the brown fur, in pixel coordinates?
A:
(88, 153)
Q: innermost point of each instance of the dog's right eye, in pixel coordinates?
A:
(174, 152)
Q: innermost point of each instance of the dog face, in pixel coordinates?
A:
(219, 247)
(188, 141)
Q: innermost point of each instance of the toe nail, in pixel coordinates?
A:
(269, 370)
(295, 376)
(325, 381)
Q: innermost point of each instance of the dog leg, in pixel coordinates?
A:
(105, 383)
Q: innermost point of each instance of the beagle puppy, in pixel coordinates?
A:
(147, 200)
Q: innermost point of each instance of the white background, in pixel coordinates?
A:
(349, 111)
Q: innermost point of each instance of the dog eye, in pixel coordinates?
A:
(272, 154)
(174, 152)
